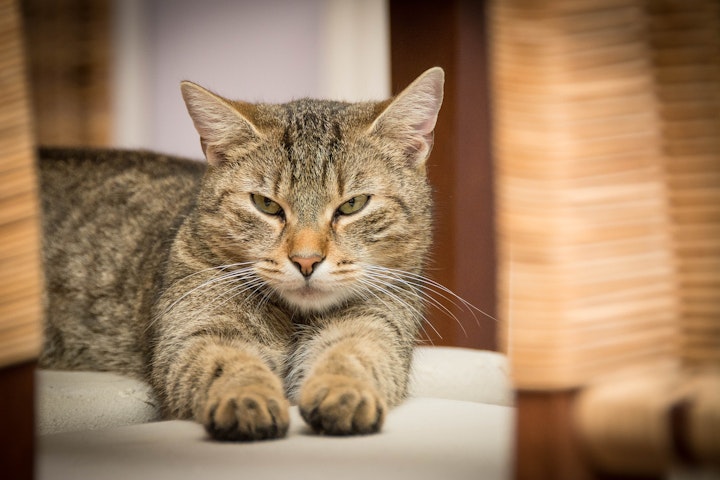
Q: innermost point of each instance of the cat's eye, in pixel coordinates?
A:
(353, 205)
(266, 205)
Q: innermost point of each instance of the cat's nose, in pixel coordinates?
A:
(306, 263)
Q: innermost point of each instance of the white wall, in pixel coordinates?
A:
(254, 50)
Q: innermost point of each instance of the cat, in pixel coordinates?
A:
(286, 267)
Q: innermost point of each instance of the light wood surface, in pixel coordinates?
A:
(20, 271)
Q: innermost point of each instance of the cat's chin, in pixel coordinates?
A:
(311, 299)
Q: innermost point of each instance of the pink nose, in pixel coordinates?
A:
(306, 264)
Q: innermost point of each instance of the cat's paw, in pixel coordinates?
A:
(341, 405)
(247, 413)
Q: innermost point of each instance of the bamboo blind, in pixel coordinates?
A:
(20, 278)
(69, 51)
(607, 142)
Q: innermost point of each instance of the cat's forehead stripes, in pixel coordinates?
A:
(316, 133)
(312, 139)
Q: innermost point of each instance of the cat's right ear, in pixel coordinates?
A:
(219, 121)
(408, 121)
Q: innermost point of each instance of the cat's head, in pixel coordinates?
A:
(322, 197)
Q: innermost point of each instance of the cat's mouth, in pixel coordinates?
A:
(313, 293)
(309, 291)
(311, 298)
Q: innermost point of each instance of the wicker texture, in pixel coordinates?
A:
(20, 280)
(587, 266)
(685, 37)
(607, 140)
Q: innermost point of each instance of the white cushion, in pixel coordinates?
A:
(461, 374)
(72, 401)
(456, 425)
(425, 438)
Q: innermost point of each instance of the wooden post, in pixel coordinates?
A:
(20, 278)
(451, 34)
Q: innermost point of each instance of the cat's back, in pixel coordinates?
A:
(114, 194)
(109, 217)
(113, 177)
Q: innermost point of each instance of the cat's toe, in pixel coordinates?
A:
(247, 414)
(340, 405)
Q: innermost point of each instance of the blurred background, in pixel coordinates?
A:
(107, 73)
(118, 63)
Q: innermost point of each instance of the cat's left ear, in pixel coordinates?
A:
(221, 123)
(409, 119)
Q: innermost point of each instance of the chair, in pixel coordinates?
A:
(607, 143)
(20, 272)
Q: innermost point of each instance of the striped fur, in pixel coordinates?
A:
(237, 286)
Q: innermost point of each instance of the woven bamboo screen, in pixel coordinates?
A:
(607, 141)
(20, 280)
(69, 51)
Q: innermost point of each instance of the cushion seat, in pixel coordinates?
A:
(456, 425)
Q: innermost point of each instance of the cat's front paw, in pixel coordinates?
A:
(252, 412)
(341, 405)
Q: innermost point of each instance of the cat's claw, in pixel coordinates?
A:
(246, 414)
(341, 405)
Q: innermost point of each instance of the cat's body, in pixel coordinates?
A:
(109, 218)
(289, 266)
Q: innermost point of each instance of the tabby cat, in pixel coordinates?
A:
(287, 266)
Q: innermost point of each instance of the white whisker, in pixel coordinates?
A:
(370, 282)
(427, 299)
(426, 290)
(233, 292)
(435, 287)
(220, 278)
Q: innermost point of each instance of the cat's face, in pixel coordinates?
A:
(320, 197)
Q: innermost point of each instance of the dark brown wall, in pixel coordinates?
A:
(452, 34)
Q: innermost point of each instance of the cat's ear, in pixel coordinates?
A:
(219, 121)
(409, 119)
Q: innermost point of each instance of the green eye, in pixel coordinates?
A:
(353, 205)
(266, 205)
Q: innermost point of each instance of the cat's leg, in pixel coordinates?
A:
(352, 370)
(227, 384)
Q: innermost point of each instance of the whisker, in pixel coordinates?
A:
(230, 277)
(382, 287)
(432, 285)
(218, 267)
(425, 319)
(428, 299)
(266, 294)
(419, 314)
(428, 291)
(217, 280)
(234, 292)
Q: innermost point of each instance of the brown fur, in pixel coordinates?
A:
(169, 270)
